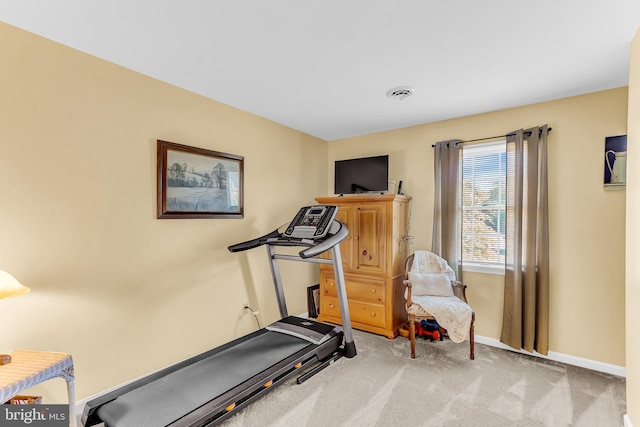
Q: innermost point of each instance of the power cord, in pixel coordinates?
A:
(255, 314)
(408, 238)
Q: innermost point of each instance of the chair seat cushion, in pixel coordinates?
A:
(418, 311)
(451, 312)
(436, 284)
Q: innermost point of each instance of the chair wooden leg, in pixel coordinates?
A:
(471, 339)
(412, 337)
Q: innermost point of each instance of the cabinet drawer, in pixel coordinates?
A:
(360, 312)
(366, 290)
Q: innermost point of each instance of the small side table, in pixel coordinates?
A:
(28, 368)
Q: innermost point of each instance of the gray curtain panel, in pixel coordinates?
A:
(525, 323)
(446, 222)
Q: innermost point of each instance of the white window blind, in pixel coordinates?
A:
(483, 184)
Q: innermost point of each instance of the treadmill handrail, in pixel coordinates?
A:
(253, 243)
(314, 247)
(326, 244)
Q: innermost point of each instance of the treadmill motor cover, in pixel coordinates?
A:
(309, 330)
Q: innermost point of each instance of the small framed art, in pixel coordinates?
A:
(313, 300)
(198, 183)
(615, 162)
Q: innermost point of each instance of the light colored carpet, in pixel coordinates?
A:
(382, 386)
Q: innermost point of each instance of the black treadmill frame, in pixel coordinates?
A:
(214, 411)
(244, 394)
(312, 358)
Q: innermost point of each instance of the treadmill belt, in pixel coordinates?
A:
(163, 401)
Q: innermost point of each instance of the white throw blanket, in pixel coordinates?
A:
(428, 262)
(451, 313)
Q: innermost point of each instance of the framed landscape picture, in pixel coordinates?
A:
(199, 183)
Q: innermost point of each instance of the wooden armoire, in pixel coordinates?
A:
(373, 258)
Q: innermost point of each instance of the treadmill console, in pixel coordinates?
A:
(312, 222)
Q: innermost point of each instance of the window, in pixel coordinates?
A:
(483, 180)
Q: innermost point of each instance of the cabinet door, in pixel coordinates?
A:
(370, 224)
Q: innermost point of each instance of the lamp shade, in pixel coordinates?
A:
(10, 287)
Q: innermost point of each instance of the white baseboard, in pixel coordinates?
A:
(620, 371)
(627, 421)
(607, 368)
(80, 403)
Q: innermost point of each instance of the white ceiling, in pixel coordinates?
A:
(324, 67)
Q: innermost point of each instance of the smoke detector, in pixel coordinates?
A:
(400, 92)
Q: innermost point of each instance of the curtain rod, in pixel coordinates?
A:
(491, 137)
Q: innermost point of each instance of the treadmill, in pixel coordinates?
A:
(207, 389)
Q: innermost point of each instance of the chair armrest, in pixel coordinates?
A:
(408, 285)
(461, 289)
(458, 284)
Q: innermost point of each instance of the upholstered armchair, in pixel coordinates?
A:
(433, 293)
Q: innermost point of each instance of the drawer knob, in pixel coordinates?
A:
(373, 290)
(373, 314)
(331, 305)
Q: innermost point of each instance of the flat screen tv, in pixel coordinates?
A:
(363, 175)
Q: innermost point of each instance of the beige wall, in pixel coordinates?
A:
(633, 238)
(587, 223)
(126, 293)
(122, 291)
